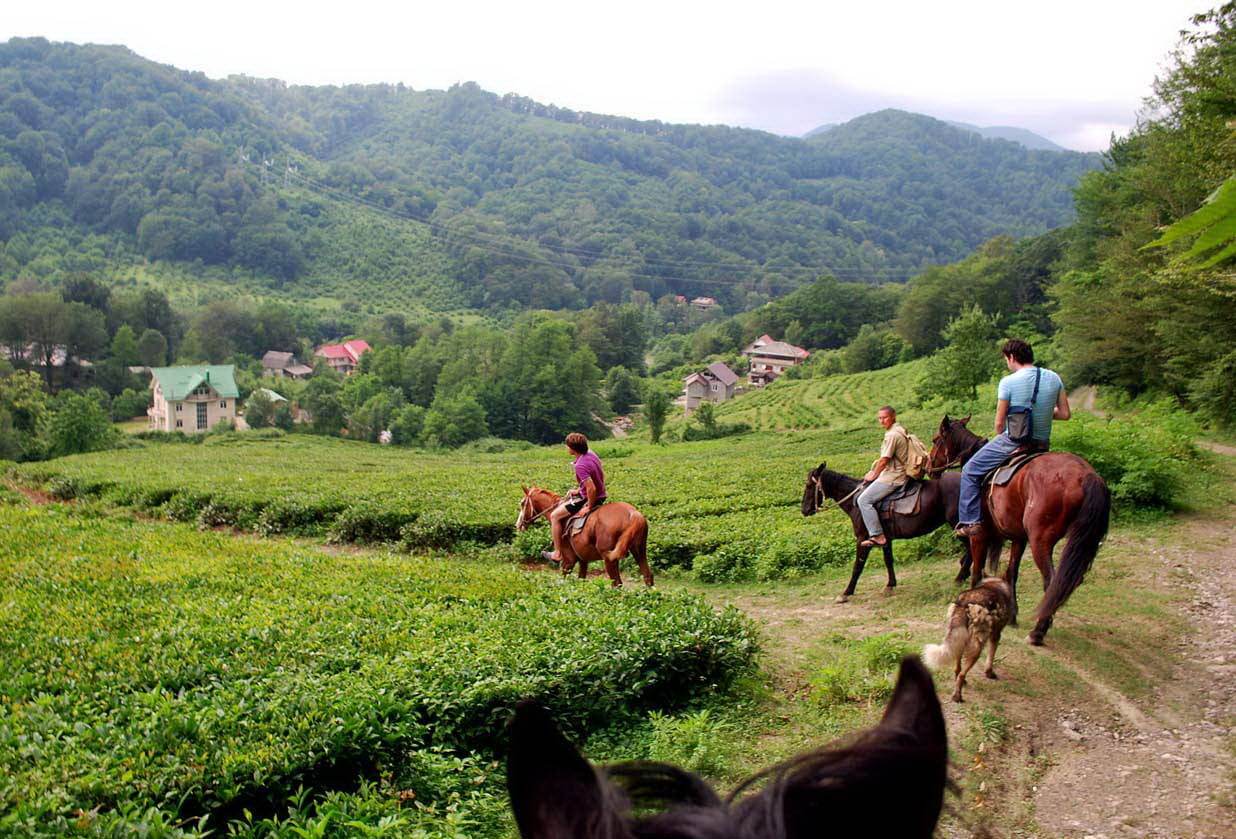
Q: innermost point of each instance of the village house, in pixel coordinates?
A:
(770, 358)
(714, 384)
(704, 303)
(343, 358)
(192, 399)
(283, 364)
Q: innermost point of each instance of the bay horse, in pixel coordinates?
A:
(1055, 495)
(937, 506)
(888, 781)
(612, 531)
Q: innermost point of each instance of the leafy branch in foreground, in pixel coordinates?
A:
(1214, 224)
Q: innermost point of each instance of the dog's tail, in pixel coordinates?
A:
(937, 656)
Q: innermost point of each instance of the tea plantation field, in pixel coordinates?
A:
(738, 495)
(841, 403)
(155, 677)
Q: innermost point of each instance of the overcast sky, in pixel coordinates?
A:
(1072, 71)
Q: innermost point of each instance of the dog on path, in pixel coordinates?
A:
(975, 619)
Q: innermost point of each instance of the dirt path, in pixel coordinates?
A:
(1161, 767)
(1121, 727)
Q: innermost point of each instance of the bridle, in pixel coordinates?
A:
(821, 500)
(959, 459)
(522, 522)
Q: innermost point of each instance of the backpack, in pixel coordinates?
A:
(917, 459)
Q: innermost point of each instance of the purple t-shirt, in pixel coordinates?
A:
(588, 465)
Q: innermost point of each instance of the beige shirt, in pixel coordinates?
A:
(897, 449)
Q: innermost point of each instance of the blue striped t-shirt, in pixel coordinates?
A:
(1018, 387)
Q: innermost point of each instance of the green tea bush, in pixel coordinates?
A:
(529, 543)
(369, 523)
(154, 675)
(297, 517)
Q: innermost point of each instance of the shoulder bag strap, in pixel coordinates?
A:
(1034, 397)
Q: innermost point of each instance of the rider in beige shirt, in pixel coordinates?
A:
(887, 474)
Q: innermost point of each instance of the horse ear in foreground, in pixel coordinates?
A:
(888, 782)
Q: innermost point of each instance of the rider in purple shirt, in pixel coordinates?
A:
(589, 496)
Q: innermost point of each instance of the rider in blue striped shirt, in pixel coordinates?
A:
(1016, 390)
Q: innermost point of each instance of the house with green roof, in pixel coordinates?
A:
(192, 399)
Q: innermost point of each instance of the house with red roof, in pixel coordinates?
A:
(343, 358)
(770, 358)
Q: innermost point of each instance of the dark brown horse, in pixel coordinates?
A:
(611, 532)
(889, 781)
(1055, 495)
(937, 506)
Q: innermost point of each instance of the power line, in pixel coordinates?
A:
(494, 243)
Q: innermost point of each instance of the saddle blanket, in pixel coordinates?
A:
(1005, 472)
(902, 502)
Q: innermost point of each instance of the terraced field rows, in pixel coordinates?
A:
(834, 402)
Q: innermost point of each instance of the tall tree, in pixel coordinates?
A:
(152, 348)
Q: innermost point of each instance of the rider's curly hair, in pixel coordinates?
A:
(577, 442)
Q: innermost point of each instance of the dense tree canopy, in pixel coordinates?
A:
(512, 203)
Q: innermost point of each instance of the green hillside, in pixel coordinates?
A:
(441, 200)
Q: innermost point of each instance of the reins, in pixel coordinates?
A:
(821, 500)
(536, 515)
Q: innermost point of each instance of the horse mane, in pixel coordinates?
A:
(831, 479)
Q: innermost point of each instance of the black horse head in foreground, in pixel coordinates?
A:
(888, 782)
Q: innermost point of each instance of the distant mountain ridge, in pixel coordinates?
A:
(1025, 137)
(384, 196)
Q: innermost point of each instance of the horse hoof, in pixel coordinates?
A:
(991, 674)
(842, 598)
(957, 698)
(1035, 640)
(889, 591)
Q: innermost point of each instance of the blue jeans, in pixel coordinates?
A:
(970, 507)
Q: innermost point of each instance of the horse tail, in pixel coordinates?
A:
(937, 656)
(1085, 534)
(637, 526)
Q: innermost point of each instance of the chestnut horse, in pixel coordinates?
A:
(1055, 495)
(937, 506)
(611, 532)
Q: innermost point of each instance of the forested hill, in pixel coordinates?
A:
(105, 156)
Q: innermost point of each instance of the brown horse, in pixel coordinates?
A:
(611, 532)
(1055, 495)
(937, 506)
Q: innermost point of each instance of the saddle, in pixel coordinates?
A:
(903, 501)
(576, 523)
(1004, 473)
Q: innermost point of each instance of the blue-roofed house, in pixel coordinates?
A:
(192, 399)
